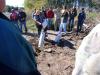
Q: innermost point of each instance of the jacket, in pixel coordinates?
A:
(16, 54)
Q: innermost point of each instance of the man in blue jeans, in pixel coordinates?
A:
(64, 19)
(16, 54)
(72, 15)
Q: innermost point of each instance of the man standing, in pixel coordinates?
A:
(64, 19)
(72, 15)
(81, 18)
(22, 20)
(50, 16)
(57, 16)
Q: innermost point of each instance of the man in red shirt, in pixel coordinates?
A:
(50, 16)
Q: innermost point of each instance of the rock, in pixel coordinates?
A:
(48, 50)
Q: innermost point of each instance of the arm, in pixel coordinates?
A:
(36, 21)
(84, 16)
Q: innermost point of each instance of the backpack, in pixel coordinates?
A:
(14, 16)
(22, 16)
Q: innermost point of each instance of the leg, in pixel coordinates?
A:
(64, 27)
(25, 26)
(51, 24)
(72, 24)
(78, 27)
(60, 27)
(58, 23)
(81, 26)
(45, 30)
(48, 23)
(21, 28)
(39, 30)
(55, 25)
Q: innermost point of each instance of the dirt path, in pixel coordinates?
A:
(56, 59)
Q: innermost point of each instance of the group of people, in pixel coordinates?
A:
(18, 17)
(59, 19)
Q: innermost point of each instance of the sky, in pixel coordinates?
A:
(16, 3)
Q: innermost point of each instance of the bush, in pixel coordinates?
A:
(31, 25)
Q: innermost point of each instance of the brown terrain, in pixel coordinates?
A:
(58, 59)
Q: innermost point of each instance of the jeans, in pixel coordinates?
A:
(79, 26)
(39, 28)
(63, 27)
(71, 24)
(56, 24)
(21, 26)
(50, 22)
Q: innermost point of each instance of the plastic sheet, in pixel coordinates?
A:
(90, 46)
(41, 39)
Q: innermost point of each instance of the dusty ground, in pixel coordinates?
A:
(56, 59)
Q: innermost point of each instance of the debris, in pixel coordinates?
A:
(48, 50)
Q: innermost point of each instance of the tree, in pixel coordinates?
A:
(54, 3)
(29, 4)
(34, 3)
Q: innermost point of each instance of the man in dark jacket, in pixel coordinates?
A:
(16, 54)
(22, 20)
(72, 15)
(81, 18)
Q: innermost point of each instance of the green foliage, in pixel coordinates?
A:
(39, 3)
(93, 4)
(31, 25)
(55, 3)
(92, 15)
(34, 3)
(29, 4)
